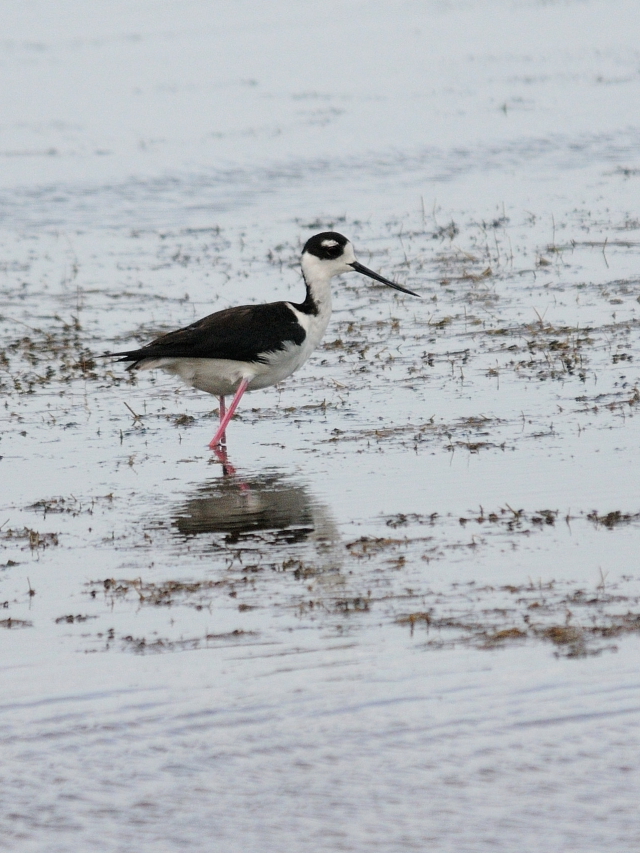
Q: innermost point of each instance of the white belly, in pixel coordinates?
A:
(221, 376)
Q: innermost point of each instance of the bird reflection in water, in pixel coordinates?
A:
(269, 508)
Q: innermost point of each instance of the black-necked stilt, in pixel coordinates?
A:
(254, 346)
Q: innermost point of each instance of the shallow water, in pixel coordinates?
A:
(411, 619)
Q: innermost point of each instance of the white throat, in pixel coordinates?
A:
(317, 277)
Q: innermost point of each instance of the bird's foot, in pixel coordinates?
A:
(220, 451)
(218, 442)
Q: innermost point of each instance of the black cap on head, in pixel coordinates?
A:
(327, 246)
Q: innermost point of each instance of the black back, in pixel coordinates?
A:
(245, 333)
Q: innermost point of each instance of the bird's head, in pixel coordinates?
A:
(328, 254)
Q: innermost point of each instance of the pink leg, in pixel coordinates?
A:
(219, 436)
(223, 409)
(221, 449)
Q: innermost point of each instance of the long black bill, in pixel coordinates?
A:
(374, 275)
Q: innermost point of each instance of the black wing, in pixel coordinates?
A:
(241, 334)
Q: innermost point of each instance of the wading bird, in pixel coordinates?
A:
(254, 346)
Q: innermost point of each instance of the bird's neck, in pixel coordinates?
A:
(318, 298)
